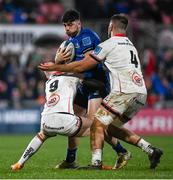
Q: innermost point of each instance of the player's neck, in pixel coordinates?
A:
(79, 31)
(119, 33)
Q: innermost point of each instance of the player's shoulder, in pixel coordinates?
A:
(113, 41)
(106, 42)
(89, 32)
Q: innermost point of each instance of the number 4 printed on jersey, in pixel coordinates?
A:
(133, 59)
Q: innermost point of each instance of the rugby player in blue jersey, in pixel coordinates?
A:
(85, 40)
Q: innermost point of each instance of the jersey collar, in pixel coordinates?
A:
(122, 35)
(77, 34)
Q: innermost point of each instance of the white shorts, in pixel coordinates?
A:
(60, 123)
(120, 108)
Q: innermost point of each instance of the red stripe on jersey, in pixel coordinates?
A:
(123, 35)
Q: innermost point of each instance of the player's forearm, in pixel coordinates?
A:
(76, 67)
(72, 67)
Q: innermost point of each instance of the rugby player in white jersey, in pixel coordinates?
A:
(58, 115)
(128, 92)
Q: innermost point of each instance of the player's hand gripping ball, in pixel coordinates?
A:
(65, 52)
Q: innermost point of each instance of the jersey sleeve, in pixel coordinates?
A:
(100, 52)
(89, 41)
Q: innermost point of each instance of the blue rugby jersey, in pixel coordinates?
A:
(86, 41)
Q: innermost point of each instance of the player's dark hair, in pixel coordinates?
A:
(120, 20)
(70, 16)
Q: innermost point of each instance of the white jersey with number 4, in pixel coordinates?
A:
(121, 58)
(60, 93)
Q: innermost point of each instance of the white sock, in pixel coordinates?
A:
(145, 146)
(32, 147)
(96, 156)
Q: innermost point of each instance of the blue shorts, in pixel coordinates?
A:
(84, 94)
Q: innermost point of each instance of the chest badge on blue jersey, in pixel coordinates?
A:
(77, 45)
(86, 41)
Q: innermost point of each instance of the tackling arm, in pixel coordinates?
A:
(78, 66)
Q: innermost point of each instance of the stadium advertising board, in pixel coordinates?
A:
(146, 122)
(152, 122)
(19, 121)
(20, 116)
(15, 37)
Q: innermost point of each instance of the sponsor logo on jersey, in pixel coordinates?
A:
(53, 128)
(97, 50)
(53, 100)
(76, 45)
(137, 79)
(125, 43)
(86, 41)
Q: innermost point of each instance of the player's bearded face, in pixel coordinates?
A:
(72, 28)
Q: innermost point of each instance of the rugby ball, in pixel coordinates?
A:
(67, 46)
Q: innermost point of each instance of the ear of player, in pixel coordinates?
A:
(66, 51)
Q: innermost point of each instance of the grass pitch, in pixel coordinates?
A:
(41, 165)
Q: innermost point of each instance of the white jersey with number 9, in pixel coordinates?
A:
(60, 92)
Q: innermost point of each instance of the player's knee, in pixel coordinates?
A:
(92, 128)
(97, 126)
